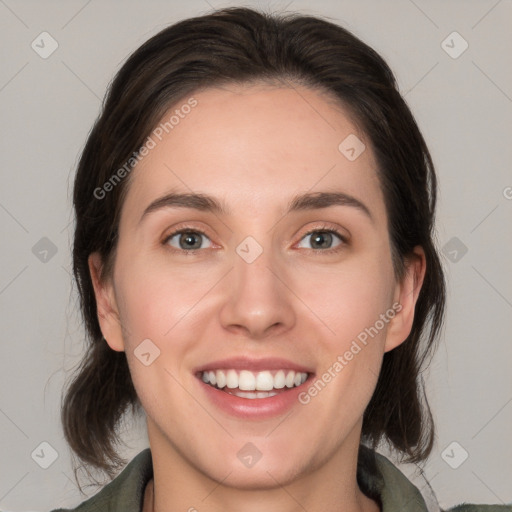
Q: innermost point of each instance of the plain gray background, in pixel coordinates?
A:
(463, 105)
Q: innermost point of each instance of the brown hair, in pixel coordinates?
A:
(241, 45)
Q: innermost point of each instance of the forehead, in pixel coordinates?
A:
(254, 147)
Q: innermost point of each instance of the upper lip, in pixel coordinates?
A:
(247, 363)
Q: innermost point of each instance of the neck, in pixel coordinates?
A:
(178, 485)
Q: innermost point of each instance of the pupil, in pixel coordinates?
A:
(188, 241)
(325, 237)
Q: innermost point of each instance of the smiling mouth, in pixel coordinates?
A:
(248, 384)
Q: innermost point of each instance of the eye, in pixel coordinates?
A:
(323, 239)
(187, 240)
(191, 240)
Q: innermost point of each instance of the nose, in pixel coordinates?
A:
(258, 301)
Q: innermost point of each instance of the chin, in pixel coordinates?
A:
(258, 478)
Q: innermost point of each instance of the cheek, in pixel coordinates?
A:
(167, 305)
(355, 306)
(349, 299)
(158, 297)
(157, 311)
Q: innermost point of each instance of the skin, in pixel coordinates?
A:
(295, 301)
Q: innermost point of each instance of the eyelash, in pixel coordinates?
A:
(321, 229)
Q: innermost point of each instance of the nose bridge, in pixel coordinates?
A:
(257, 299)
(253, 262)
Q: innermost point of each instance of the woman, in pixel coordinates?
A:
(255, 261)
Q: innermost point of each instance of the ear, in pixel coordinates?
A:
(108, 314)
(406, 294)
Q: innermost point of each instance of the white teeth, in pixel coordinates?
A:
(259, 394)
(232, 379)
(264, 381)
(246, 380)
(279, 380)
(221, 378)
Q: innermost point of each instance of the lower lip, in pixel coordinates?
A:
(254, 408)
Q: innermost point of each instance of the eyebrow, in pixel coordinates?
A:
(306, 201)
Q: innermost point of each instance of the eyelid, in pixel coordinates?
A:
(329, 228)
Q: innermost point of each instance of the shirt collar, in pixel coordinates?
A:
(395, 489)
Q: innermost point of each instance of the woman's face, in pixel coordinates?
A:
(290, 278)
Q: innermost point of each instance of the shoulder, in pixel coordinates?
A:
(397, 492)
(467, 507)
(125, 492)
